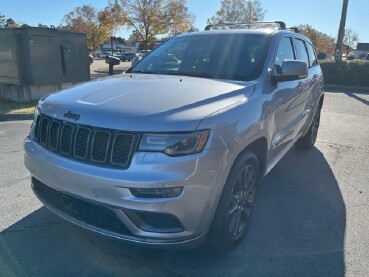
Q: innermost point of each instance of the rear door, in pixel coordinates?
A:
(316, 79)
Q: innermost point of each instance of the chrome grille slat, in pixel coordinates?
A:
(54, 134)
(93, 145)
(37, 127)
(122, 146)
(100, 144)
(66, 139)
(81, 142)
(45, 122)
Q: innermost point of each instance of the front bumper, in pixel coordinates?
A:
(201, 176)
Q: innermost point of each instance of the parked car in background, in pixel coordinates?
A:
(126, 56)
(351, 57)
(102, 54)
(362, 56)
(173, 151)
(138, 57)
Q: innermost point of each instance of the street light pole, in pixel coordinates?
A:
(341, 32)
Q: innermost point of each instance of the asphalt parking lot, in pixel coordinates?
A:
(99, 64)
(311, 216)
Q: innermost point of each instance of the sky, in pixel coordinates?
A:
(323, 15)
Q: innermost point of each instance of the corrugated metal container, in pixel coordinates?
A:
(37, 56)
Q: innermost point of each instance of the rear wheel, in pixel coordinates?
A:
(236, 204)
(308, 141)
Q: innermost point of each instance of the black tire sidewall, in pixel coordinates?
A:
(305, 142)
(219, 234)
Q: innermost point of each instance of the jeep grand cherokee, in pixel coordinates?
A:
(172, 151)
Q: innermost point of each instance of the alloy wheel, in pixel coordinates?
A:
(241, 201)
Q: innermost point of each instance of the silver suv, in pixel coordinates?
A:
(172, 151)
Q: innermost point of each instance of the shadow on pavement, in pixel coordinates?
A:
(298, 230)
(98, 75)
(353, 95)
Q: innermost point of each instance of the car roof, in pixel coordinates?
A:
(230, 31)
(265, 31)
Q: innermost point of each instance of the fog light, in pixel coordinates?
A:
(156, 193)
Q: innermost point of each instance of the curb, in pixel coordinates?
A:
(15, 117)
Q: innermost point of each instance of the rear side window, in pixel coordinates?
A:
(285, 52)
(312, 57)
(302, 54)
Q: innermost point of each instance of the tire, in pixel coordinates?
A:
(308, 140)
(236, 204)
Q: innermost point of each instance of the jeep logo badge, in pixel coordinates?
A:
(70, 115)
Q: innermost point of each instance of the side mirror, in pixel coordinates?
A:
(291, 70)
(321, 56)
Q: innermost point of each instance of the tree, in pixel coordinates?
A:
(193, 29)
(238, 11)
(119, 40)
(149, 18)
(321, 41)
(96, 24)
(350, 39)
(2, 20)
(136, 37)
(10, 23)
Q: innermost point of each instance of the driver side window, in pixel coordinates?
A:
(285, 52)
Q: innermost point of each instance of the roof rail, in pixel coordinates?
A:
(295, 29)
(281, 24)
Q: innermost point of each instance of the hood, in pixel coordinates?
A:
(141, 102)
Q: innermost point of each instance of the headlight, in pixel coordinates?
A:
(175, 144)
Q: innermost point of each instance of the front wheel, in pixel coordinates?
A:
(308, 141)
(236, 204)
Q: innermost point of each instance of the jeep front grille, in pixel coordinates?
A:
(93, 145)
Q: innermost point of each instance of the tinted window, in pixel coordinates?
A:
(312, 57)
(221, 56)
(302, 54)
(285, 52)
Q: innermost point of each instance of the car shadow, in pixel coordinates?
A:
(355, 96)
(298, 229)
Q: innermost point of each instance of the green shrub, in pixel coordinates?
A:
(346, 73)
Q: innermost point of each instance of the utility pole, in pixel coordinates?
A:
(341, 32)
(111, 44)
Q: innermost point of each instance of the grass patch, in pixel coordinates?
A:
(11, 107)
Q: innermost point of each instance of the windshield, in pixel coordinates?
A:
(221, 56)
